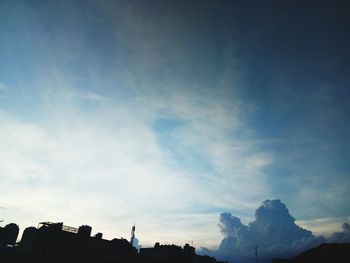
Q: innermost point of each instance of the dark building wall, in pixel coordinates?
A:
(28, 239)
(169, 253)
(205, 259)
(9, 234)
(84, 231)
(61, 246)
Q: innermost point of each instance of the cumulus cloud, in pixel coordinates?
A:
(273, 233)
(137, 244)
(340, 237)
(274, 225)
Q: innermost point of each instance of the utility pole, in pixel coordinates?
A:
(256, 254)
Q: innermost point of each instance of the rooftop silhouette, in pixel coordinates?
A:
(8, 235)
(56, 243)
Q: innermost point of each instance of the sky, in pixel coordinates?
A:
(170, 113)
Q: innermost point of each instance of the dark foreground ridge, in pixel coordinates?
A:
(324, 253)
(57, 243)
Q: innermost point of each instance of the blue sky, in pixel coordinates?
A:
(172, 113)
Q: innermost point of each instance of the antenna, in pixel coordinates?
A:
(132, 235)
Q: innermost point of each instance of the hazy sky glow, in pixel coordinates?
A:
(170, 113)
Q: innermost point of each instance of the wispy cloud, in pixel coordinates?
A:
(323, 226)
(94, 153)
(3, 87)
(109, 159)
(79, 135)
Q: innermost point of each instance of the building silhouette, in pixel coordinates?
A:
(165, 253)
(58, 243)
(173, 254)
(54, 242)
(8, 235)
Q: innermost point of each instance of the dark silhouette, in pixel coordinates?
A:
(8, 235)
(54, 242)
(132, 234)
(172, 253)
(325, 253)
(57, 243)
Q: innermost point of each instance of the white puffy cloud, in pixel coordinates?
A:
(273, 233)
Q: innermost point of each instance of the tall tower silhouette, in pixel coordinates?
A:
(132, 235)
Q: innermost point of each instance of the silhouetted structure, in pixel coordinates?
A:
(57, 243)
(8, 235)
(325, 253)
(53, 242)
(165, 253)
(174, 254)
(132, 235)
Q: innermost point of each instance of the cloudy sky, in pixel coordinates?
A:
(168, 113)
